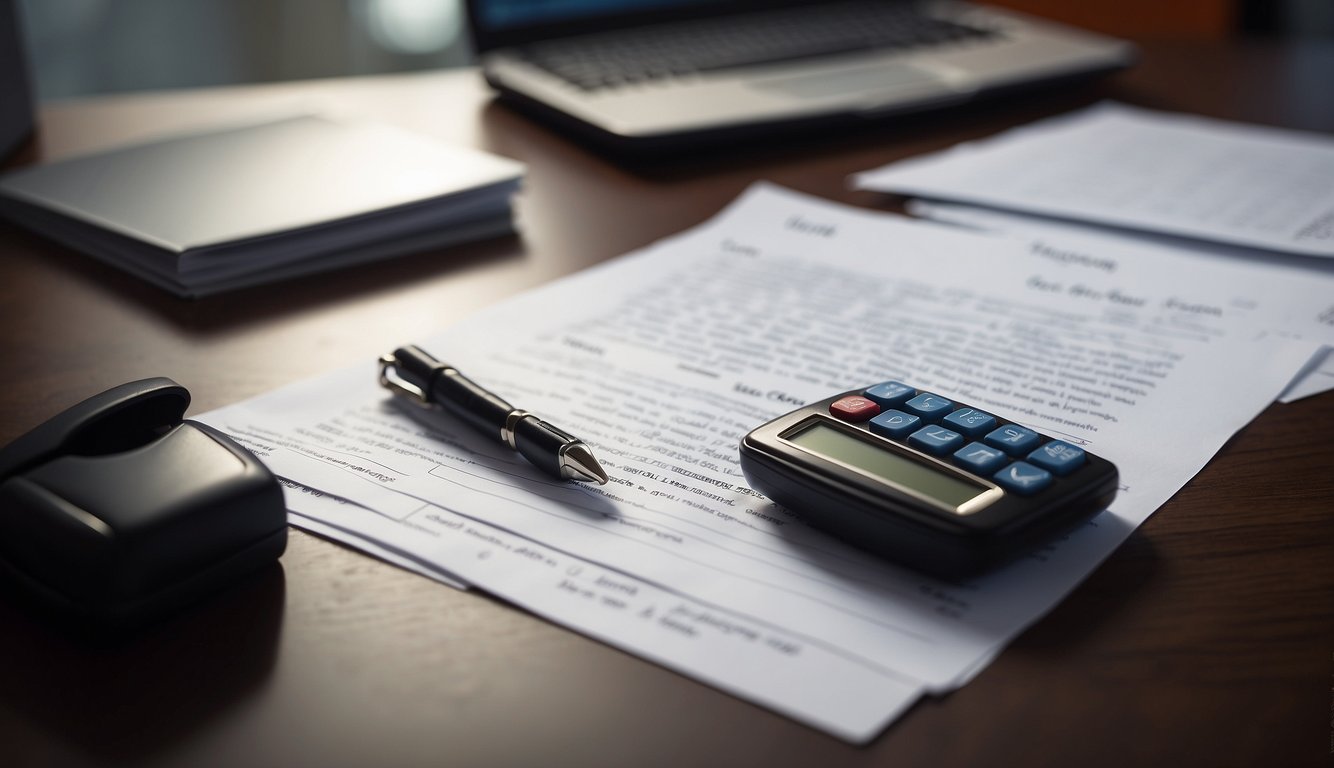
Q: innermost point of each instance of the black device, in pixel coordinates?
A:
(925, 480)
(117, 510)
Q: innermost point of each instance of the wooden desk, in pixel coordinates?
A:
(1206, 640)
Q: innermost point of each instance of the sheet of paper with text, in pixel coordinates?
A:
(1305, 315)
(1142, 170)
(662, 360)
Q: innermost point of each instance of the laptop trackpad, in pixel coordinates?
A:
(876, 79)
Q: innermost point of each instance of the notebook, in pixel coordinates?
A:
(643, 75)
(209, 212)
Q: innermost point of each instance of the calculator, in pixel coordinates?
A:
(924, 479)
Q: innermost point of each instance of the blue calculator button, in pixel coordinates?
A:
(889, 394)
(980, 459)
(971, 421)
(1023, 478)
(935, 439)
(1060, 457)
(1013, 439)
(894, 423)
(928, 406)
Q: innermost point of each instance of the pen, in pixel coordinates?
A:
(413, 373)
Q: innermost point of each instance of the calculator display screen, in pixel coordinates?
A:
(833, 443)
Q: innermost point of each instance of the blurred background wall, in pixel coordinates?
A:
(80, 47)
(83, 47)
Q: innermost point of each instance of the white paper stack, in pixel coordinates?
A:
(211, 212)
(663, 359)
(1136, 171)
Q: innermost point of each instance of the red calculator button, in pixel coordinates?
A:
(854, 408)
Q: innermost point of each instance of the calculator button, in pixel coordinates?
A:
(1023, 478)
(894, 423)
(889, 394)
(854, 408)
(980, 459)
(935, 439)
(971, 421)
(1058, 456)
(1013, 439)
(928, 406)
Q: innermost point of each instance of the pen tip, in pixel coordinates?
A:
(577, 463)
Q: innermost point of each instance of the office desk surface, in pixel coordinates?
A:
(1207, 639)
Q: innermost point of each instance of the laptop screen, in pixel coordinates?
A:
(496, 23)
(508, 14)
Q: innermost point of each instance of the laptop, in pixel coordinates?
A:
(640, 75)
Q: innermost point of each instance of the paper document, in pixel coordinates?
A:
(1118, 165)
(812, 683)
(1297, 305)
(313, 511)
(664, 359)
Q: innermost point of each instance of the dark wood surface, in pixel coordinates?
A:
(1207, 639)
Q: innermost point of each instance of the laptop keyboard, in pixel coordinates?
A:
(684, 48)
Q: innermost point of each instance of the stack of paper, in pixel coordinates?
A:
(1153, 172)
(662, 360)
(212, 212)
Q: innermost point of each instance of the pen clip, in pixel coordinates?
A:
(390, 380)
